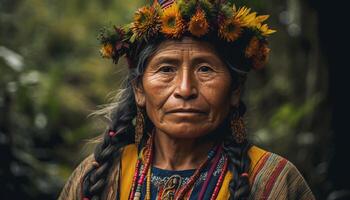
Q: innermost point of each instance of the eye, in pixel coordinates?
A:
(166, 69)
(205, 68)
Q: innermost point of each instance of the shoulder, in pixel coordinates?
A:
(129, 150)
(129, 155)
(72, 188)
(272, 176)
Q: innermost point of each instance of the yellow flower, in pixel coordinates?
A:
(198, 24)
(243, 14)
(230, 29)
(252, 48)
(251, 20)
(172, 22)
(107, 51)
(145, 22)
(264, 30)
(260, 19)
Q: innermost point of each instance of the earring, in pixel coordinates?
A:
(238, 129)
(139, 126)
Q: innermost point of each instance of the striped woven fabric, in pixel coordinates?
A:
(271, 177)
(165, 3)
(275, 177)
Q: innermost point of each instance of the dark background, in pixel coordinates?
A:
(52, 78)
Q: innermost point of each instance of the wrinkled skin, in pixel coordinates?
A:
(187, 75)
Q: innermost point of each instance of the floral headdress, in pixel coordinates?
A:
(172, 19)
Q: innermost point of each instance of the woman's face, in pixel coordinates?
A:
(186, 89)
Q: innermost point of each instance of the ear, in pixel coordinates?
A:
(235, 96)
(139, 94)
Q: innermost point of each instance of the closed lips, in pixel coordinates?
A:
(182, 110)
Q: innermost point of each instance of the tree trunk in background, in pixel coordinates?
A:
(333, 44)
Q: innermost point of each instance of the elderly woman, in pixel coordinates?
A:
(188, 61)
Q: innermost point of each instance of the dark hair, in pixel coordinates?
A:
(121, 113)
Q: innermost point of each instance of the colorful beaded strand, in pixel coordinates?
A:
(134, 179)
(138, 169)
(143, 171)
(220, 181)
(214, 164)
(148, 186)
(180, 194)
(137, 195)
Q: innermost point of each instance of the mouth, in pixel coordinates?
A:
(186, 111)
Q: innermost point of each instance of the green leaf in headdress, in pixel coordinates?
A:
(226, 9)
(207, 7)
(107, 35)
(133, 38)
(187, 8)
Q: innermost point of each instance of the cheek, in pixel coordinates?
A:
(218, 95)
(156, 94)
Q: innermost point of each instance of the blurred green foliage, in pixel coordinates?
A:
(52, 78)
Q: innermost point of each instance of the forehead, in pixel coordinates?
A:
(186, 45)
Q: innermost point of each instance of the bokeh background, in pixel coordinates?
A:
(52, 77)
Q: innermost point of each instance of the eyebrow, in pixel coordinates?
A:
(195, 59)
(167, 59)
(205, 57)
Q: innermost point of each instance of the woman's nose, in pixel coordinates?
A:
(186, 86)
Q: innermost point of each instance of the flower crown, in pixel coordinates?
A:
(172, 19)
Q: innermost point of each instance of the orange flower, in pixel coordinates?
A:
(261, 58)
(145, 22)
(198, 24)
(252, 48)
(107, 51)
(230, 29)
(172, 22)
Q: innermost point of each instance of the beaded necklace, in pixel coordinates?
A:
(139, 179)
(143, 172)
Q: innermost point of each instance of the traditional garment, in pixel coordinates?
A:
(271, 177)
(165, 183)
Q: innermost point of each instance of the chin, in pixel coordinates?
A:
(186, 131)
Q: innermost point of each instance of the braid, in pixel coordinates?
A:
(121, 115)
(239, 163)
(109, 148)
